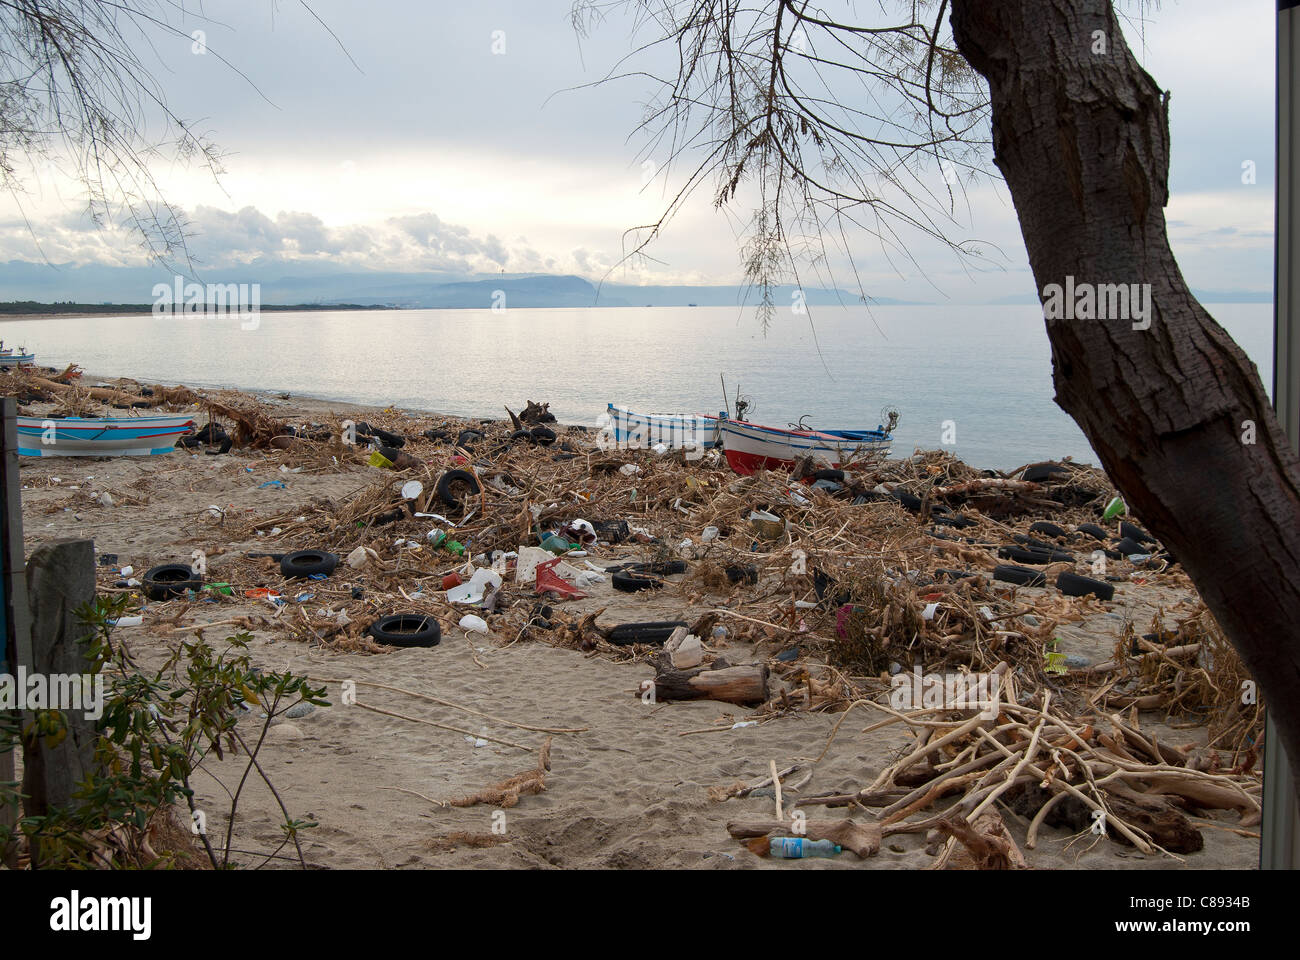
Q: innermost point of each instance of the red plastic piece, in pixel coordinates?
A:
(548, 581)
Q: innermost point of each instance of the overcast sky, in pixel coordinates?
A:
(435, 153)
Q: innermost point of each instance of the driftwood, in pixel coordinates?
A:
(740, 685)
(861, 838)
(986, 842)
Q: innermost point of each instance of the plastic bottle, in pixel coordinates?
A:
(793, 848)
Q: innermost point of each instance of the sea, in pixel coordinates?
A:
(974, 380)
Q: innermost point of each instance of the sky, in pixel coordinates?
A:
(464, 137)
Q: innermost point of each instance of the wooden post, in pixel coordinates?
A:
(15, 645)
(60, 580)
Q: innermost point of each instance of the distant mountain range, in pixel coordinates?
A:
(324, 284)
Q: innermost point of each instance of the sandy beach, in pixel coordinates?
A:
(637, 787)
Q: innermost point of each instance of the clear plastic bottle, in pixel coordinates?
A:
(793, 848)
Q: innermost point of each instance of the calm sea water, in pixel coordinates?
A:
(987, 369)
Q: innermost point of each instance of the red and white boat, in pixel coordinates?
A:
(751, 447)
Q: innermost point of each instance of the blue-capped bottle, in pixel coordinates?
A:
(793, 848)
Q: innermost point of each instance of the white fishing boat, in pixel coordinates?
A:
(751, 447)
(101, 436)
(642, 431)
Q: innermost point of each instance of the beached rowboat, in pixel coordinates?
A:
(641, 431)
(751, 447)
(100, 436)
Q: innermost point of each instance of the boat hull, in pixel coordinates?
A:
(10, 359)
(100, 436)
(750, 447)
(640, 431)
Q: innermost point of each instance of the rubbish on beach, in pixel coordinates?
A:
(473, 624)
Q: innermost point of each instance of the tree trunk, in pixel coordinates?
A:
(1081, 135)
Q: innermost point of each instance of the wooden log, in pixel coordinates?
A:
(1165, 825)
(60, 579)
(861, 838)
(986, 843)
(741, 685)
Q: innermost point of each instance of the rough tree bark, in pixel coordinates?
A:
(1082, 139)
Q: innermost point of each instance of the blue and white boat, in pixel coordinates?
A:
(642, 431)
(101, 436)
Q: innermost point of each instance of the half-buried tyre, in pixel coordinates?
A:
(1073, 585)
(626, 634)
(308, 563)
(170, 580)
(632, 582)
(406, 630)
(456, 486)
(1020, 576)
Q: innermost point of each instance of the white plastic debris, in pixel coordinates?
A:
(474, 591)
(710, 533)
(629, 469)
(128, 621)
(929, 611)
(473, 624)
(127, 571)
(357, 558)
(412, 489)
(744, 723)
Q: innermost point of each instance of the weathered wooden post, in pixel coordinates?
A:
(14, 624)
(60, 580)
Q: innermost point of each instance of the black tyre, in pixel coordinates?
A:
(170, 580)
(1073, 585)
(543, 435)
(908, 501)
(388, 439)
(467, 438)
(1094, 531)
(742, 574)
(1046, 471)
(1019, 576)
(437, 436)
(1046, 528)
(956, 520)
(835, 476)
(305, 563)
(406, 630)
(1127, 529)
(520, 435)
(626, 634)
(632, 582)
(1032, 555)
(455, 486)
(1129, 547)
